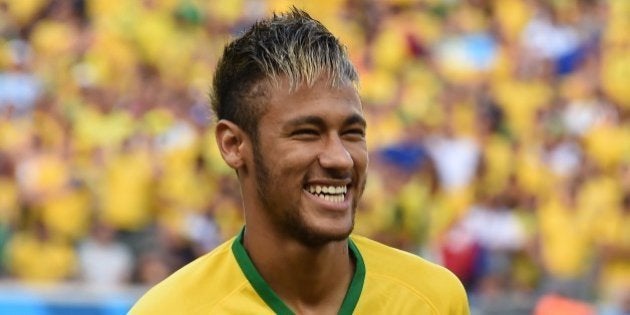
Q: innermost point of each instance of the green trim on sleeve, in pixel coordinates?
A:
(273, 300)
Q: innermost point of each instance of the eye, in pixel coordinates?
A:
(305, 133)
(355, 133)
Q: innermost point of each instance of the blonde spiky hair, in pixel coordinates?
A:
(291, 46)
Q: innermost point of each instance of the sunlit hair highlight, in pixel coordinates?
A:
(289, 46)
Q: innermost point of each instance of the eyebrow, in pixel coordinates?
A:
(355, 119)
(306, 120)
(319, 122)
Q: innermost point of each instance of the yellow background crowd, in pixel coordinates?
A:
(499, 137)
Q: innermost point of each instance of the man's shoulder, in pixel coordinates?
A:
(393, 270)
(381, 258)
(194, 285)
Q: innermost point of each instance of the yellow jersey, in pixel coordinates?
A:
(385, 281)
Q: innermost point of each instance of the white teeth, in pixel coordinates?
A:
(329, 193)
(327, 189)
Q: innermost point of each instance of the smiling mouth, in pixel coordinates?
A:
(336, 194)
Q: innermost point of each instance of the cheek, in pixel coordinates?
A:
(288, 164)
(360, 157)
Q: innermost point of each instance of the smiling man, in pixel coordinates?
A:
(290, 123)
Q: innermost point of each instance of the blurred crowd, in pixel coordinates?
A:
(499, 137)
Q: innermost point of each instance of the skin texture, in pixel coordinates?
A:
(298, 242)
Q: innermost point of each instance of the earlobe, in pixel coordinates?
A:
(230, 139)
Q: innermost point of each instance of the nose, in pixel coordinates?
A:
(335, 155)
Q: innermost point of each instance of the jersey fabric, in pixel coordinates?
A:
(385, 281)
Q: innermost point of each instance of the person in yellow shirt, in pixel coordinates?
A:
(37, 256)
(291, 124)
(127, 188)
(565, 242)
(614, 244)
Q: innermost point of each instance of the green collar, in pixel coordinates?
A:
(273, 300)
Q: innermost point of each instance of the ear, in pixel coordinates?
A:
(232, 142)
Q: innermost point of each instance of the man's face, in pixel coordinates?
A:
(311, 160)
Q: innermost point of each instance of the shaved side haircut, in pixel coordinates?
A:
(290, 46)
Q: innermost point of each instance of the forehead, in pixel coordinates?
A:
(320, 99)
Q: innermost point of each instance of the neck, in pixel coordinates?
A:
(307, 279)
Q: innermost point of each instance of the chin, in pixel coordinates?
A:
(316, 237)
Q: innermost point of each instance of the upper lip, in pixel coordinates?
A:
(329, 182)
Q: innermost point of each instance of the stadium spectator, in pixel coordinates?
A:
(535, 94)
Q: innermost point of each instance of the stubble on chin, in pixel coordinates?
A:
(311, 237)
(291, 222)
